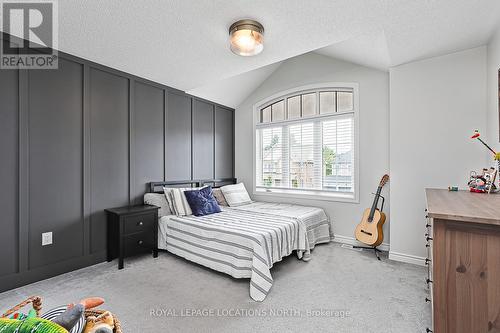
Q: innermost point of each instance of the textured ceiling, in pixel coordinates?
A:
(368, 49)
(184, 44)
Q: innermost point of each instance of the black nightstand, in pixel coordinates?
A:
(132, 230)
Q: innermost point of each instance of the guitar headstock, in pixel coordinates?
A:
(384, 180)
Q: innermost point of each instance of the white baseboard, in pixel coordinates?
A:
(408, 258)
(396, 256)
(353, 241)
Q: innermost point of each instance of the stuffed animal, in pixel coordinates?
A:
(104, 323)
(70, 317)
(29, 325)
(21, 316)
(21, 323)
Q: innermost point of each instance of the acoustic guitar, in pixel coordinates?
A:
(369, 230)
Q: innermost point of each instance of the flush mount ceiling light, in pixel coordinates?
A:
(246, 37)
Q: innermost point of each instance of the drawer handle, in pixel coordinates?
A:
(427, 300)
(427, 261)
(428, 238)
(428, 280)
(427, 245)
(428, 330)
(140, 242)
(140, 224)
(427, 225)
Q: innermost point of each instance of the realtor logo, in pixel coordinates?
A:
(30, 39)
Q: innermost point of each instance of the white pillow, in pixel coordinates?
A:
(158, 199)
(236, 195)
(177, 200)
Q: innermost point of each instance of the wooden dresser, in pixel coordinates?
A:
(463, 241)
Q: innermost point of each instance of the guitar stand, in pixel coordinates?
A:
(377, 251)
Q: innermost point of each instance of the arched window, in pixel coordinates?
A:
(306, 142)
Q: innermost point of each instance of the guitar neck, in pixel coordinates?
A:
(375, 203)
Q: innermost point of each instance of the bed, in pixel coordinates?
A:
(246, 241)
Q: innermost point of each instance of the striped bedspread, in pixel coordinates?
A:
(246, 241)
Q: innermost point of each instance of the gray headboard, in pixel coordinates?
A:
(157, 187)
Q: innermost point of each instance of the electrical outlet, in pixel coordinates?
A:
(46, 238)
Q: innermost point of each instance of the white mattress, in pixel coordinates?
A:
(246, 241)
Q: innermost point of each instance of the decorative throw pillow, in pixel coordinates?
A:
(160, 200)
(177, 200)
(202, 202)
(236, 195)
(169, 199)
(217, 193)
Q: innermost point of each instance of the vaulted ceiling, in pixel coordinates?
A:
(184, 44)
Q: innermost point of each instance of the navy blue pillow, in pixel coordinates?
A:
(202, 202)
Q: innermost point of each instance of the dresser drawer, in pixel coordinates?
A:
(138, 223)
(138, 243)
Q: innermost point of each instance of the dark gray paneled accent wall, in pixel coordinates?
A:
(178, 137)
(55, 162)
(148, 138)
(203, 140)
(9, 143)
(109, 150)
(224, 142)
(85, 137)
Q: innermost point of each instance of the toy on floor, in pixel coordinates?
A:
(31, 325)
(70, 317)
(103, 323)
(61, 322)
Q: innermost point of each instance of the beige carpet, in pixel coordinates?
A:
(339, 290)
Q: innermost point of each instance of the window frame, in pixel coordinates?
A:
(283, 95)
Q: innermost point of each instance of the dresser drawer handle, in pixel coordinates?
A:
(427, 225)
(428, 330)
(427, 261)
(427, 245)
(140, 224)
(427, 300)
(428, 280)
(140, 242)
(428, 238)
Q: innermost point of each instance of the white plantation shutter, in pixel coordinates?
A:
(310, 154)
(271, 157)
(338, 138)
(301, 159)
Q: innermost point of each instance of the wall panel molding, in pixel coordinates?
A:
(23, 171)
(86, 160)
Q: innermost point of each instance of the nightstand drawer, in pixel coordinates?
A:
(138, 243)
(138, 223)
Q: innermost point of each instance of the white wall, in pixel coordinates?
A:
(493, 66)
(374, 129)
(435, 105)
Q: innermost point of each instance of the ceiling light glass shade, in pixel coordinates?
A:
(246, 38)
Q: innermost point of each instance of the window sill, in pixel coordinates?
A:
(307, 195)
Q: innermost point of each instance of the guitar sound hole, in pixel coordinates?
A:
(366, 232)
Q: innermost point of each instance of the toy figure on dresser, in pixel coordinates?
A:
(496, 156)
(484, 182)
